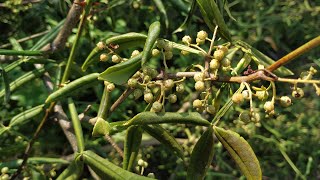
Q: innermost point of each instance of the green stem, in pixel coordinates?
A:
(76, 125)
(76, 43)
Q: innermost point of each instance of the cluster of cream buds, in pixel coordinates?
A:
(143, 84)
(4, 173)
(166, 48)
(219, 58)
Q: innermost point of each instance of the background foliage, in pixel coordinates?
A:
(274, 27)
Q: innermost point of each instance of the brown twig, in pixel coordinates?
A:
(123, 96)
(295, 53)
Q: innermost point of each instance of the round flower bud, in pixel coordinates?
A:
(214, 64)
(186, 39)
(237, 98)
(168, 55)
(202, 35)
(140, 162)
(137, 93)
(148, 97)
(183, 52)
(172, 98)
(298, 93)
(132, 82)
(218, 54)
(225, 62)
(211, 109)
(255, 117)
(260, 66)
(168, 46)
(115, 59)
(103, 57)
(197, 103)
(312, 70)
(161, 43)
(110, 87)
(199, 86)
(198, 77)
(262, 95)
(151, 175)
(155, 52)
(285, 101)
(147, 70)
(135, 53)
(168, 84)
(4, 170)
(146, 78)
(223, 48)
(200, 41)
(136, 75)
(245, 117)
(156, 106)
(180, 88)
(145, 164)
(268, 106)
(101, 45)
(246, 94)
(154, 73)
(5, 177)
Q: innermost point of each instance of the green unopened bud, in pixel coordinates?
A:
(198, 77)
(199, 86)
(245, 117)
(186, 39)
(237, 98)
(161, 43)
(155, 52)
(172, 98)
(4, 170)
(132, 82)
(156, 106)
(225, 62)
(214, 64)
(269, 106)
(168, 84)
(285, 101)
(200, 41)
(202, 35)
(180, 88)
(137, 93)
(262, 95)
(168, 55)
(211, 109)
(148, 97)
(298, 93)
(140, 162)
(197, 103)
(218, 54)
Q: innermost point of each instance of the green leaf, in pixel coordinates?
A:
(101, 127)
(168, 117)
(153, 34)
(76, 125)
(23, 117)
(13, 164)
(20, 53)
(80, 83)
(120, 73)
(104, 104)
(164, 137)
(212, 16)
(107, 170)
(6, 85)
(261, 58)
(241, 152)
(163, 14)
(124, 41)
(131, 146)
(201, 156)
(242, 64)
(73, 171)
(24, 79)
(188, 19)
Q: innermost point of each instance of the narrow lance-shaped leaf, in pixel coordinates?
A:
(124, 41)
(211, 15)
(104, 104)
(242, 64)
(164, 137)
(153, 34)
(241, 152)
(76, 125)
(101, 127)
(168, 117)
(23, 117)
(261, 58)
(5, 84)
(188, 19)
(163, 14)
(20, 53)
(107, 170)
(131, 146)
(120, 73)
(69, 88)
(73, 171)
(26, 78)
(201, 156)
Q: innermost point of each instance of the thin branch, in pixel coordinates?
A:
(295, 53)
(123, 96)
(25, 39)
